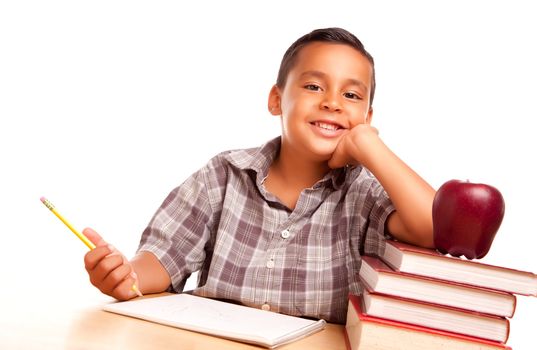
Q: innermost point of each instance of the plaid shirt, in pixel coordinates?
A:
(250, 248)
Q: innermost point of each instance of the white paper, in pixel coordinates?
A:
(219, 318)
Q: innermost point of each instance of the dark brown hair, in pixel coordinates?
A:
(330, 35)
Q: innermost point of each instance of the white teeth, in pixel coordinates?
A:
(326, 126)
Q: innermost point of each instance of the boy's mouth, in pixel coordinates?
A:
(326, 126)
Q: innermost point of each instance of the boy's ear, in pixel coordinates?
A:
(369, 116)
(274, 100)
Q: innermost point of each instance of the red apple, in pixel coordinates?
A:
(466, 217)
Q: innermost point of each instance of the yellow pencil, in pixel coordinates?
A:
(80, 235)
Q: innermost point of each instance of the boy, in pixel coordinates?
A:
(282, 227)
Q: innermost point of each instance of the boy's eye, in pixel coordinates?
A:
(352, 95)
(312, 87)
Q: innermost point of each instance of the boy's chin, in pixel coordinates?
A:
(324, 155)
(321, 150)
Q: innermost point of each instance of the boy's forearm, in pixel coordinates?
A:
(152, 276)
(411, 195)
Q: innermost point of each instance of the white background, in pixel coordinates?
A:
(105, 106)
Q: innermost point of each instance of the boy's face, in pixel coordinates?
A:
(326, 95)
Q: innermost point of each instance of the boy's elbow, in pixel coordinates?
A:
(420, 237)
(424, 235)
(426, 240)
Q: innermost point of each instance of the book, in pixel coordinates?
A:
(218, 318)
(429, 262)
(365, 332)
(380, 278)
(435, 316)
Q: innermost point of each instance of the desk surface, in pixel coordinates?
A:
(63, 324)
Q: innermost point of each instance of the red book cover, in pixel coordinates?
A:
(356, 304)
(508, 279)
(439, 307)
(507, 299)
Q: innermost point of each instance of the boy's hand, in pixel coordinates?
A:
(354, 147)
(108, 269)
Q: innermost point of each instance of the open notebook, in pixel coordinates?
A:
(226, 320)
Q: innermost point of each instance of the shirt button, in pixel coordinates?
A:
(270, 264)
(265, 307)
(285, 234)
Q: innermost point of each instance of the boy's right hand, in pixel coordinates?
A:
(108, 269)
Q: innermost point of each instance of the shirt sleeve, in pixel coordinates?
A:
(379, 207)
(180, 230)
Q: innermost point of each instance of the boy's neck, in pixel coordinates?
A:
(297, 171)
(289, 175)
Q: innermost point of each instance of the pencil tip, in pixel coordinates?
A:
(136, 290)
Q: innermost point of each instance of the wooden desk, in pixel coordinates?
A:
(61, 324)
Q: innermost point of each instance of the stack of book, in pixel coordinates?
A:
(416, 298)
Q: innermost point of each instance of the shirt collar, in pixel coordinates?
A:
(259, 160)
(256, 159)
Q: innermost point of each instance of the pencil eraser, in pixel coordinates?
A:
(43, 199)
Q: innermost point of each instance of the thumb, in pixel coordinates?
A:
(337, 160)
(94, 237)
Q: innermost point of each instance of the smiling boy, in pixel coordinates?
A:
(282, 227)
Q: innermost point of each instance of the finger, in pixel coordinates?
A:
(107, 265)
(101, 271)
(123, 290)
(333, 163)
(115, 278)
(94, 256)
(94, 237)
(337, 160)
(115, 251)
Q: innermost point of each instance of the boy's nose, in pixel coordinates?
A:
(331, 103)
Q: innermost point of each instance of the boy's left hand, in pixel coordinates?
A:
(354, 147)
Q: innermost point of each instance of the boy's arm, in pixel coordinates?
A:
(412, 196)
(152, 276)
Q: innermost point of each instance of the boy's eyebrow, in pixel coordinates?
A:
(321, 75)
